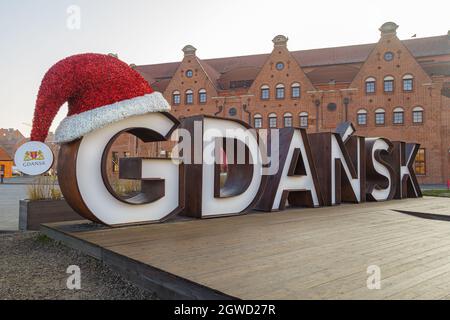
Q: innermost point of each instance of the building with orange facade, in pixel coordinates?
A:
(398, 89)
(6, 164)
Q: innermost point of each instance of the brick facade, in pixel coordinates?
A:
(332, 89)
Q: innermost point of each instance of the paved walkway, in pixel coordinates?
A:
(10, 195)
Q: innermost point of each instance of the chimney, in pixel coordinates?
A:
(189, 50)
(280, 41)
(388, 28)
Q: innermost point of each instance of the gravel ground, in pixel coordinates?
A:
(32, 266)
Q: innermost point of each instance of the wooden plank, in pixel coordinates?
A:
(295, 254)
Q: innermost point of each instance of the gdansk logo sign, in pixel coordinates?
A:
(33, 158)
(265, 170)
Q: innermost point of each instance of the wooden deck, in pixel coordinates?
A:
(318, 253)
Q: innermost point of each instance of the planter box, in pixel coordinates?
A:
(34, 212)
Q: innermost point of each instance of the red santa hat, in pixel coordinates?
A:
(99, 89)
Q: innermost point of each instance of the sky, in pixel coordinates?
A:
(35, 34)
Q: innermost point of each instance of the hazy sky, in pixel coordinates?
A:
(35, 34)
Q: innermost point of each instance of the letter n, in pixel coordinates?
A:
(340, 166)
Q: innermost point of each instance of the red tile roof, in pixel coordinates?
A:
(159, 74)
(4, 156)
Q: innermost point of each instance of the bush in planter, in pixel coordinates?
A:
(44, 188)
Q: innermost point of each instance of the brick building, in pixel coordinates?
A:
(10, 140)
(399, 89)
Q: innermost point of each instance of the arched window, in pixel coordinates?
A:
(361, 117)
(370, 85)
(399, 115)
(265, 92)
(388, 84)
(380, 118)
(303, 119)
(202, 96)
(257, 121)
(176, 97)
(295, 90)
(189, 97)
(287, 120)
(272, 120)
(417, 114)
(279, 91)
(408, 82)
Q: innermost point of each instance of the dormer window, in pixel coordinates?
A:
(189, 73)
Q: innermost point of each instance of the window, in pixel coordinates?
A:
(115, 161)
(362, 117)
(176, 97)
(303, 119)
(388, 56)
(265, 92)
(419, 162)
(272, 120)
(279, 91)
(279, 66)
(287, 120)
(418, 115)
(379, 117)
(399, 115)
(202, 96)
(189, 73)
(257, 120)
(295, 90)
(388, 84)
(232, 112)
(370, 85)
(408, 82)
(189, 97)
(126, 154)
